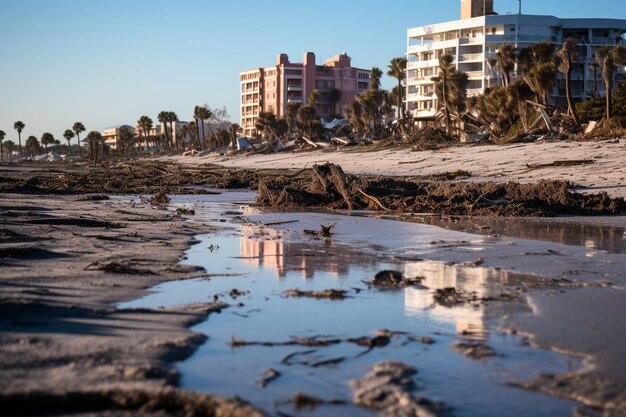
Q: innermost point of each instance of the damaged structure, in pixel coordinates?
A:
(474, 41)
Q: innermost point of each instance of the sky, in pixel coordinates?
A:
(108, 62)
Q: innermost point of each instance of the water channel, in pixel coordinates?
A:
(254, 257)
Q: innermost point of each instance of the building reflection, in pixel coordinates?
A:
(469, 318)
(606, 238)
(264, 248)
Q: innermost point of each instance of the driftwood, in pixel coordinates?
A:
(564, 163)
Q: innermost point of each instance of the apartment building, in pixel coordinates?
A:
(111, 135)
(271, 89)
(474, 41)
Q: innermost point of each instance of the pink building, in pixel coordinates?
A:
(270, 89)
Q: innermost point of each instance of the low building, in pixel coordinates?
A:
(271, 89)
(111, 135)
(474, 41)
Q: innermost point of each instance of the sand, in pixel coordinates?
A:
(63, 344)
(501, 163)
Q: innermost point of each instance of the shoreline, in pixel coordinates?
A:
(62, 338)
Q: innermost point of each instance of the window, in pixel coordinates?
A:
(364, 76)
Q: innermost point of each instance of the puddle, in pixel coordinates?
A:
(261, 263)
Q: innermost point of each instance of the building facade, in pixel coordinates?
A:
(271, 89)
(111, 135)
(474, 41)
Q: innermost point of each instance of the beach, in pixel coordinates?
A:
(69, 258)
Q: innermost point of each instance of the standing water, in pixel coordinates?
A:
(254, 258)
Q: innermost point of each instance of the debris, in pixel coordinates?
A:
(390, 278)
(590, 127)
(328, 362)
(159, 199)
(566, 163)
(288, 360)
(387, 387)
(271, 374)
(422, 339)
(183, 211)
(475, 350)
(448, 297)
(303, 401)
(325, 231)
(331, 294)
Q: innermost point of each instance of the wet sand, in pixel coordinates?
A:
(66, 260)
(63, 346)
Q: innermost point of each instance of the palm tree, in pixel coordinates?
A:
(397, 70)
(68, 135)
(19, 126)
(375, 77)
(568, 54)
(610, 60)
(172, 117)
(146, 124)
(537, 64)
(495, 109)
(506, 58)
(202, 113)
(95, 142)
(446, 69)
(233, 130)
(595, 66)
(2, 135)
(78, 128)
(354, 114)
(47, 139)
(9, 145)
(32, 146)
(334, 96)
(163, 119)
(451, 90)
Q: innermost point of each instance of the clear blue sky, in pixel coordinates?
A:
(107, 62)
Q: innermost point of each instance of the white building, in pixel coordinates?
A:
(474, 40)
(111, 135)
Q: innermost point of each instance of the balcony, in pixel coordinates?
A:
(602, 41)
(472, 40)
(475, 74)
(471, 57)
(294, 87)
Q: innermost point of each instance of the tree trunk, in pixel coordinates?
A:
(445, 103)
(19, 139)
(595, 82)
(80, 151)
(400, 107)
(568, 94)
(203, 138)
(609, 101)
(69, 146)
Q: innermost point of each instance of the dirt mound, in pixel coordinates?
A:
(328, 187)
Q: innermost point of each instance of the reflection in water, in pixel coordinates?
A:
(607, 238)
(265, 248)
(259, 256)
(467, 318)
